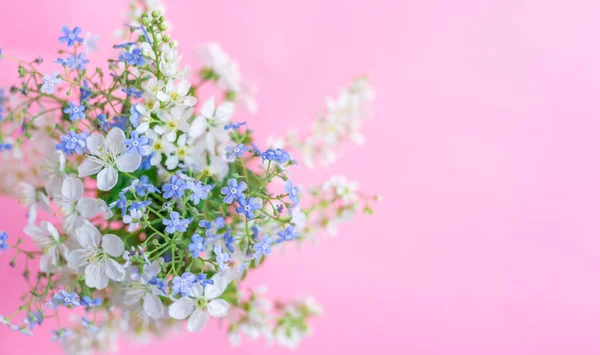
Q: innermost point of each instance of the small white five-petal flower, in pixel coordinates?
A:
(96, 256)
(48, 239)
(106, 156)
(202, 304)
(74, 207)
(212, 121)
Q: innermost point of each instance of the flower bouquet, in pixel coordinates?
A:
(162, 202)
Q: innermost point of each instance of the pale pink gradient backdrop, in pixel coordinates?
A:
(484, 144)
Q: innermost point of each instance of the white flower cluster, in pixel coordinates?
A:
(228, 75)
(275, 322)
(341, 120)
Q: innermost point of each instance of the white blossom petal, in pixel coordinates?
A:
(95, 275)
(77, 258)
(182, 308)
(38, 234)
(196, 290)
(52, 231)
(114, 270)
(217, 289)
(129, 162)
(88, 167)
(72, 189)
(153, 306)
(113, 245)
(95, 142)
(208, 108)
(224, 112)
(198, 127)
(114, 140)
(171, 136)
(197, 321)
(88, 207)
(47, 262)
(143, 127)
(107, 179)
(44, 202)
(217, 308)
(88, 236)
(172, 162)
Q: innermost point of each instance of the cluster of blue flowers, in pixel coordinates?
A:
(74, 62)
(3, 241)
(183, 283)
(64, 298)
(72, 143)
(278, 155)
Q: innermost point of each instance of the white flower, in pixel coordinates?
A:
(95, 256)
(229, 77)
(106, 154)
(212, 164)
(74, 207)
(255, 321)
(134, 219)
(169, 60)
(212, 121)
(47, 238)
(201, 304)
(342, 188)
(156, 87)
(159, 146)
(146, 293)
(90, 42)
(53, 171)
(176, 119)
(148, 106)
(311, 304)
(343, 214)
(213, 56)
(247, 96)
(177, 94)
(168, 54)
(31, 198)
(298, 218)
(183, 153)
(362, 90)
(289, 338)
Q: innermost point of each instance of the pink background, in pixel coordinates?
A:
(484, 144)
